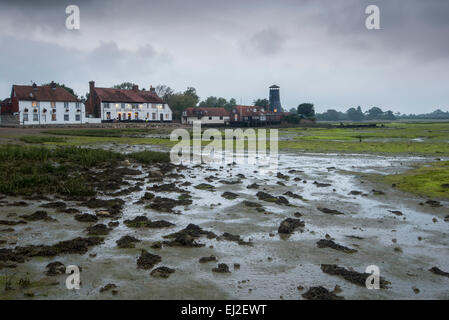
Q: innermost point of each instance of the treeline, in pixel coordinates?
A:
(356, 114)
(437, 114)
(375, 113)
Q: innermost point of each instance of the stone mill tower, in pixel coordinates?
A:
(275, 100)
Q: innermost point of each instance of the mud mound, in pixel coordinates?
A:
(193, 231)
(127, 242)
(320, 293)
(323, 243)
(147, 260)
(144, 222)
(330, 211)
(162, 272)
(351, 276)
(221, 268)
(38, 215)
(289, 225)
(86, 217)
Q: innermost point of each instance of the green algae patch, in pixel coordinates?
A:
(430, 180)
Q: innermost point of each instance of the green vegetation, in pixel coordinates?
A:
(392, 138)
(26, 170)
(431, 180)
(147, 157)
(42, 139)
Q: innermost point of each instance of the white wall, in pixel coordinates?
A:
(206, 120)
(145, 111)
(46, 117)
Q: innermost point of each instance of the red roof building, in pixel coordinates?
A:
(253, 116)
(205, 115)
(112, 104)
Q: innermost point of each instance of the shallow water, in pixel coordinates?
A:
(274, 266)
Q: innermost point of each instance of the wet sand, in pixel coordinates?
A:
(274, 265)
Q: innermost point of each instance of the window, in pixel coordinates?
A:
(53, 104)
(123, 106)
(35, 104)
(78, 105)
(77, 117)
(108, 116)
(210, 118)
(66, 117)
(44, 118)
(166, 116)
(35, 117)
(221, 118)
(154, 116)
(66, 104)
(53, 117)
(106, 105)
(135, 106)
(25, 117)
(136, 116)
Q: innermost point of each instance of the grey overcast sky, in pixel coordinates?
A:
(316, 50)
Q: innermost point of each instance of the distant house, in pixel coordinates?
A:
(39, 105)
(207, 116)
(253, 116)
(133, 105)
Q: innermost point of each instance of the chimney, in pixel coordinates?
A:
(135, 87)
(34, 86)
(91, 86)
(53, 85)
(152, 89)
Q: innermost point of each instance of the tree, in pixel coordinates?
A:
(61, 85)
(164, 91)
(262, 103)
(330, 115)
(306, 110)
(374, 113)
(214, 102)
(124, 85)
(355, 114)
(293, 111)
(180, 101)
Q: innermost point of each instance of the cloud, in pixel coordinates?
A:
(266, 42)
(317, 50)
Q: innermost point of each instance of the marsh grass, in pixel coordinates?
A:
(27, 170)
(42, 139)
(147, 157)
(430, 180)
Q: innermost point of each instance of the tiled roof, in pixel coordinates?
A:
(247, 111)
(43, 93)
(206, 112)
(128, 96)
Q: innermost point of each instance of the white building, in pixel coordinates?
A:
(41, 105)
(207, 116)
(133, 105)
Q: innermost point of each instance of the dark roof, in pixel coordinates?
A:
(246, 111)
(128, 96)
(43, 93)
(274, 86)
(209, 112)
